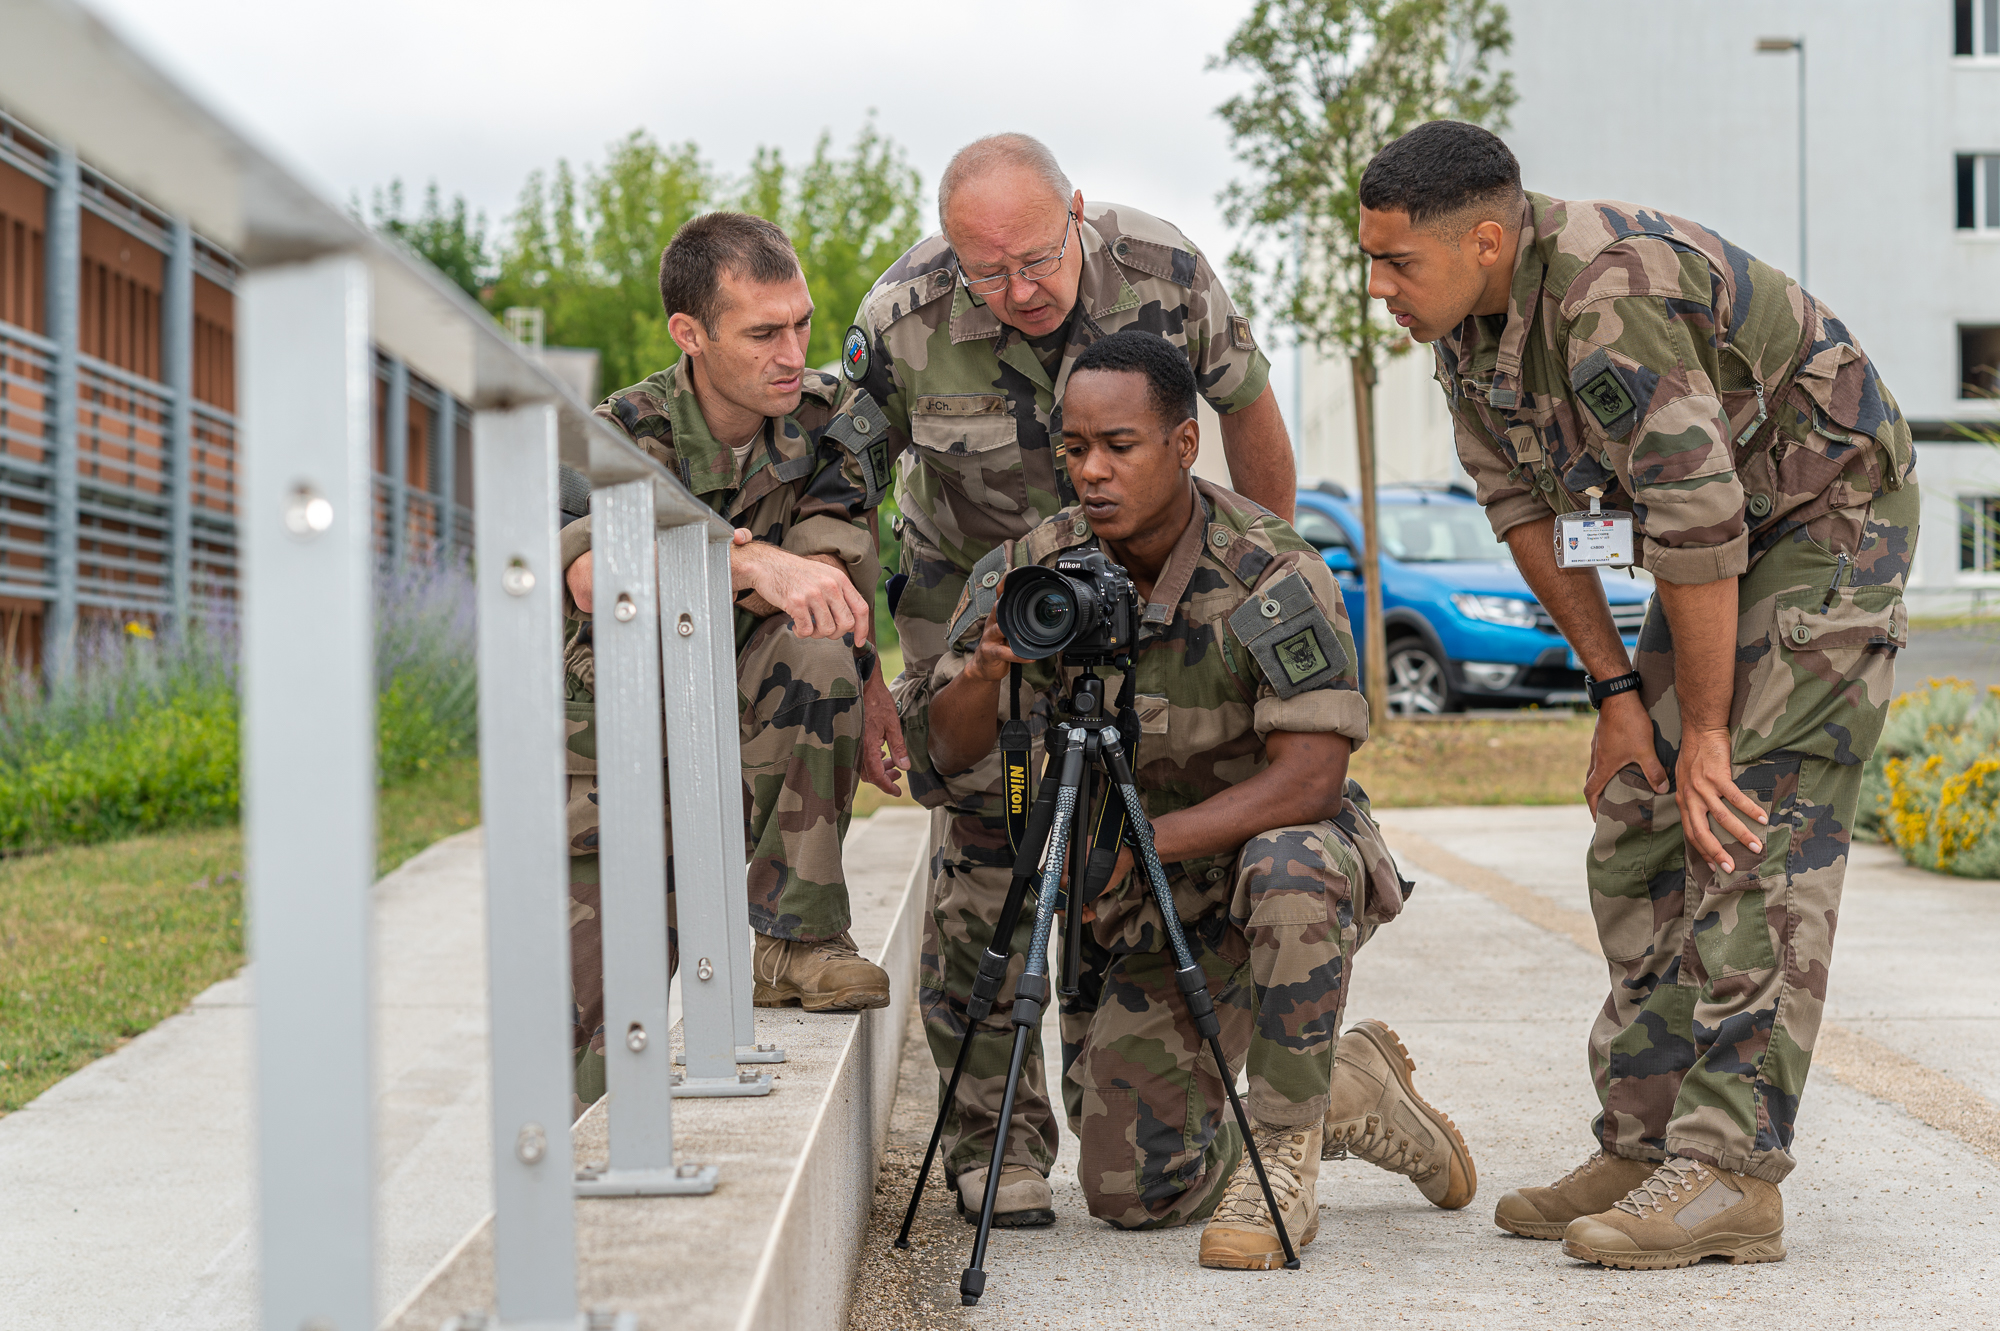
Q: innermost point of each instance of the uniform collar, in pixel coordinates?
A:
(1475, 338)
(1172, 584)
(709, 463)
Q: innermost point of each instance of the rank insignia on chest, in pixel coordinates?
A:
(854, 354)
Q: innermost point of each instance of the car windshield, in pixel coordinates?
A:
(1440, 533)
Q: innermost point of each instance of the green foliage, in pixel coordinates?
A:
(454, 243)
(145, 737)
(1933, 787)
(1335, 82)
(587, 251)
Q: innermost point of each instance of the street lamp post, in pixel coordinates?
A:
(1779, 46)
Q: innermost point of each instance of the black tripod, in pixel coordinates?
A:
(1077, 751)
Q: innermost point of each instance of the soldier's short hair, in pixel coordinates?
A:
(975, 159)
(692, 265)
(1170, 385)
(1448, 176)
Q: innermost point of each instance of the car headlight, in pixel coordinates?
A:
(1509, 610)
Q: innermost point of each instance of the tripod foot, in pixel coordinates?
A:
(970, 1286)
(903, 1244)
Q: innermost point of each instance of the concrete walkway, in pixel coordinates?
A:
(126, 1193)
(1491, 977)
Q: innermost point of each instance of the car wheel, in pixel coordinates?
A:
(1418, 684)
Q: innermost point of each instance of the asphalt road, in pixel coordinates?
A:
(1969, 653)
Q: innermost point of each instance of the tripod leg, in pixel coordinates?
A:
(1193, 984)
(992, 964)
(1030, 997)
(972, 1282)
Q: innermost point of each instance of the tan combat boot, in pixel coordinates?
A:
(1684, 1212)
(1240, 1235)
(1593, 1186)
(1023, 1201)
(1377, 1114)
(827, 976)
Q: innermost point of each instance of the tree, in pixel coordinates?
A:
(849, 218)
(588, 253)
(454, 243)
(1335, 81)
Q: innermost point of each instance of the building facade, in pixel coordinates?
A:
(1675, 107)
(118, 448)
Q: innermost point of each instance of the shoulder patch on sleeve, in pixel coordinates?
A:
(1284, 629)
(1611, 394)
(1240, 336)
(862, 429)
(979, 595)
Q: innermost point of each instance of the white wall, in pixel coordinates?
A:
(1670, 105)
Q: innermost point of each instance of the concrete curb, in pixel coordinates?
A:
(806, 1274)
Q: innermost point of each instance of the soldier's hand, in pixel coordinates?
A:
(1623, 738)
(1707, 790)
(881, 726)
(992, 658)
(820, 599)
(577, 575)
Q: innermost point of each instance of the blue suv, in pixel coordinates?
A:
(1463, 628)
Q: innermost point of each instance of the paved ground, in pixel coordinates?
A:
(1892, 1221)
(1969, 653)
(126, 1190)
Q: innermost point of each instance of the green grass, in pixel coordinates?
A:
(99, 943)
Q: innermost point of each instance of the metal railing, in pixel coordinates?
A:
(318, 295)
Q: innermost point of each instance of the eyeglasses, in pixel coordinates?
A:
(1033, 272)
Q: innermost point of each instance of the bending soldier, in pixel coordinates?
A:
(1248, 708)
(1595, 349)
(772, 447)
(967, 342)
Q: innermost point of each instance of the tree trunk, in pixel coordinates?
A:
(1374, 652)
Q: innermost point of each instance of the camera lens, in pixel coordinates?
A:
(1040, 612)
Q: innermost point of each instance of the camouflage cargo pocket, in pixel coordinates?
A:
(1837, 655)
(972, 442)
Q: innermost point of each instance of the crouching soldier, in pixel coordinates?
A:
(1248, 710)
(774, 449)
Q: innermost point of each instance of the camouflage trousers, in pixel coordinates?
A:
(799, 702)
(1718, 980)
(1158, 1141)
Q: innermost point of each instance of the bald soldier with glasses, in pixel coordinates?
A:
(967, 342)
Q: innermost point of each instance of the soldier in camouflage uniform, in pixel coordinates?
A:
(1592, 348)
(1248, 708)
(800, 490)
(967, 342)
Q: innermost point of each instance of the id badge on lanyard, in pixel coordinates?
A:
(1601, 538)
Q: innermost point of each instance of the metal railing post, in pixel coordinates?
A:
(521, 789)
(64, 278)
(396, 461)
(177, 372)
(705, 771)
(447, 474)
(309, 782)
(632, 853)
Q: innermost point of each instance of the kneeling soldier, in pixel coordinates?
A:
(773, 448)
(1248, 709)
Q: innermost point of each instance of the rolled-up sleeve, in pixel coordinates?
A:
(1647, 390)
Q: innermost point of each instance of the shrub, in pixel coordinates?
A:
(144, 736)
(1933, 788)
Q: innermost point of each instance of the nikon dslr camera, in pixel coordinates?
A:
(1085, 608)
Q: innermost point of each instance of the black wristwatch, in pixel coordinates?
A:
(1599, 690)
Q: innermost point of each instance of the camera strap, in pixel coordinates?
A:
(1112, 828)
(1015, 742)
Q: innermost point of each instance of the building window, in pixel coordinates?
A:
(1976, 27)
(1979, 533)
(1979, 190)
(1979, 361)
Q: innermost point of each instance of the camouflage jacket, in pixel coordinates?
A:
(806, 485)
(969, 399)
(1246, 634)
(1644, 356)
